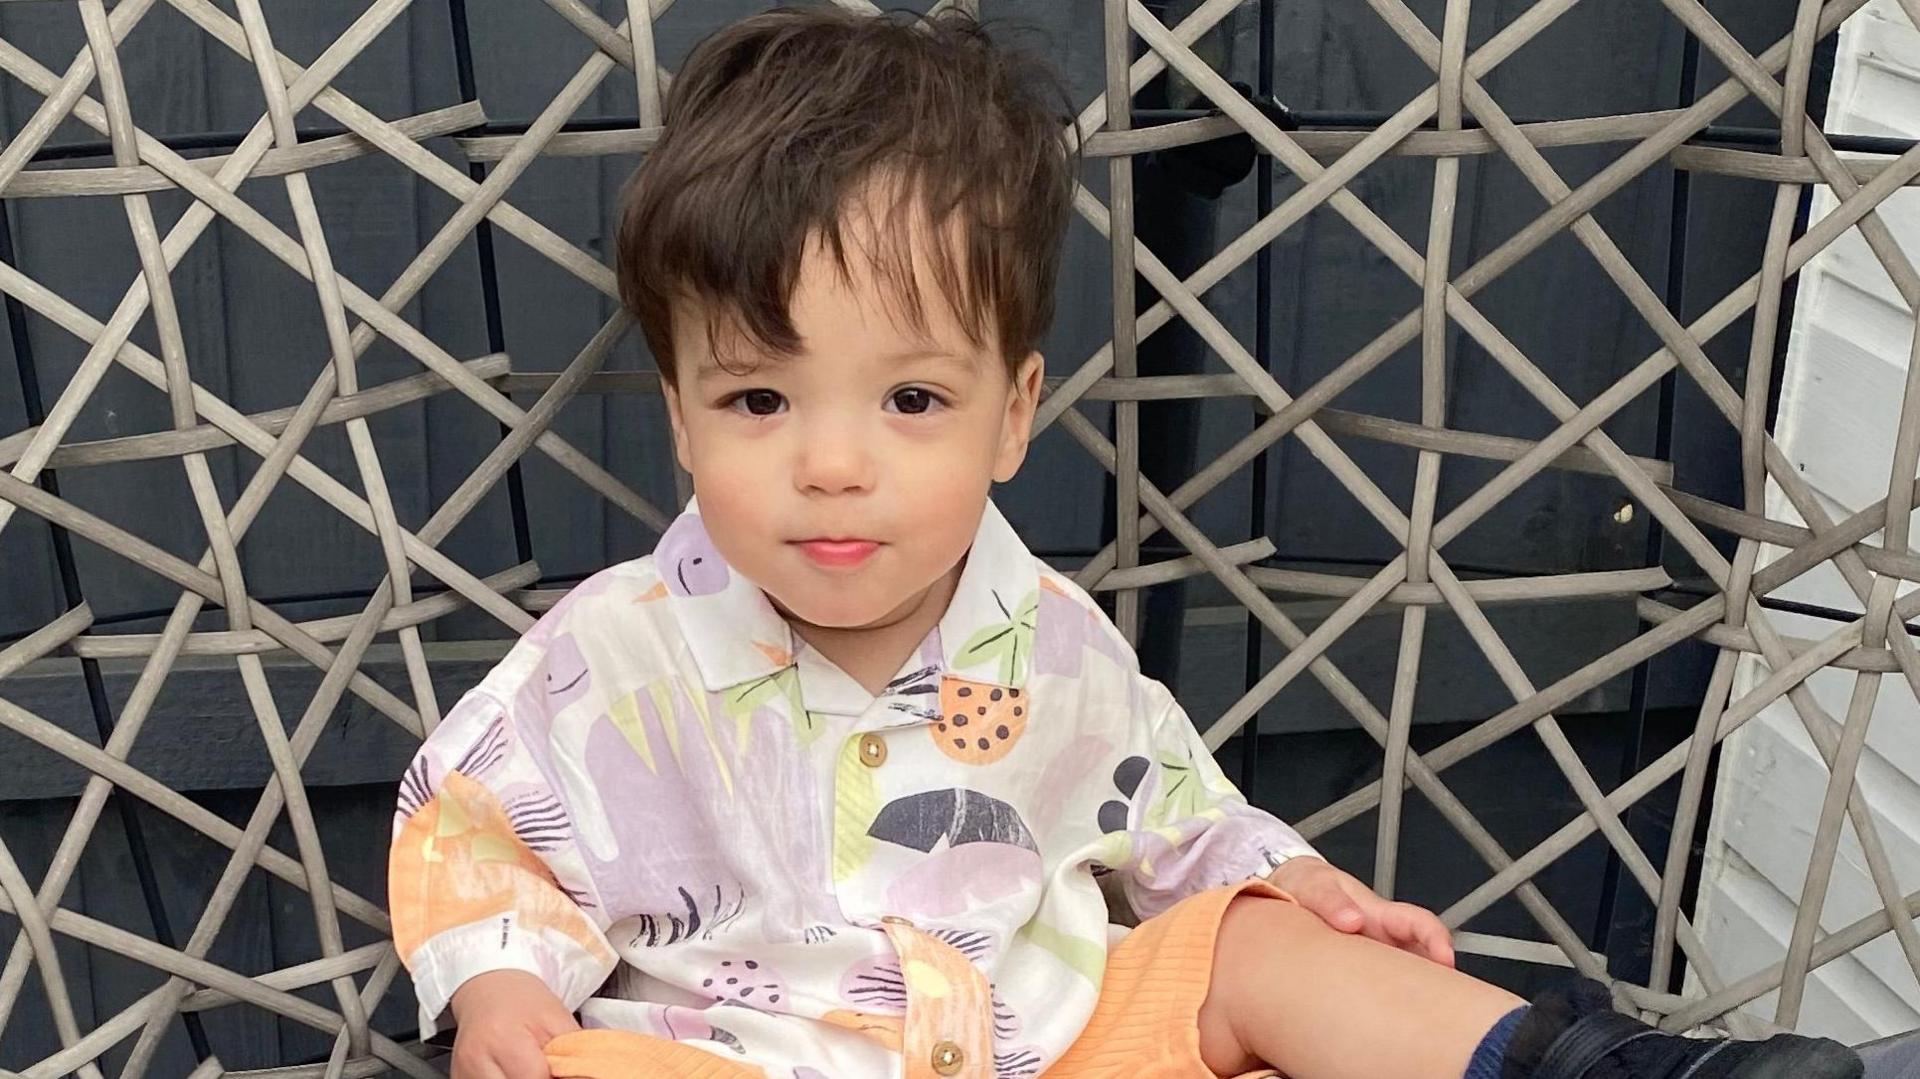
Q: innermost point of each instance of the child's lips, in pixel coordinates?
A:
(838, 553)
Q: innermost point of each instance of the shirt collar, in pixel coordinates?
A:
(987, 632)
(736, 635)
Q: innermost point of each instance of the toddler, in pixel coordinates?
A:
(825, 786)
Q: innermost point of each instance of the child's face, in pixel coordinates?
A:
(872, 433)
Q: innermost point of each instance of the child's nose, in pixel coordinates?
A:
(833, 464)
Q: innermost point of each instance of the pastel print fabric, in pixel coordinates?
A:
(693, 827)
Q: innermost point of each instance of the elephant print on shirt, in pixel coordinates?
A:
(567, 678)
(688, 561)
(664, 753)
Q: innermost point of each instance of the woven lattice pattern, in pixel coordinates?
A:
(1454, 118)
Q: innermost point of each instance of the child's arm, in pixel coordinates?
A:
(1186, 827)
(483, 874)
(1192, 830)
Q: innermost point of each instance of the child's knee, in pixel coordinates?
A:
(1254, 926)
(1246, 951)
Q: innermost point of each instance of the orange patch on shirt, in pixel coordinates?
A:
(885, 1029)
(457, 861)
(979, 721)
(949, 1004)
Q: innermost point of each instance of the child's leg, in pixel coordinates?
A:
(1292, 993)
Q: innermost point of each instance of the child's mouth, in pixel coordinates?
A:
(838, 553)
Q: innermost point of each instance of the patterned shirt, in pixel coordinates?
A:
(690, 824)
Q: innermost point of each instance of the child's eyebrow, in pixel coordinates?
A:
(936, 355)
(707, 368)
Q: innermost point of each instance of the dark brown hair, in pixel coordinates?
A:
(780, 125)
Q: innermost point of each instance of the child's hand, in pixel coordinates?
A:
(1351, 907)
(505, 1018)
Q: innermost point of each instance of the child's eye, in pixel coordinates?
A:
(757, 402)
(913, 400)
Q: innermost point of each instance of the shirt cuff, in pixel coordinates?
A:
(1268, 844)
(446, 961)
(1279, 856)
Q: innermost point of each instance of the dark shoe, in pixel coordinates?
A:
(1573, 1032)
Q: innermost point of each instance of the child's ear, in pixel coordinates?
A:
(1017, 428)
(681, 450)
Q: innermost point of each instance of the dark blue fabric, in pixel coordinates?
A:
(1492, 1051)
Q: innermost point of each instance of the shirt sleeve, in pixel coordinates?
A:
(483, 873)
(1187, 828)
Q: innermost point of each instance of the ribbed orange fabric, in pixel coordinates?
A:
(1145, 1026)
(622, 1054)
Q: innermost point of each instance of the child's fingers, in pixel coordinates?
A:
(1425, 934)
(523, 1058)
(1439, 942)
(1408, 928)
(1321, 893)
(1398, 929)
(476, 1065)
(551, 1022)
(1338, 910)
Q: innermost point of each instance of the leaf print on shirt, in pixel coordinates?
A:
(1010, 642)
(1183, 792)
(782, 685)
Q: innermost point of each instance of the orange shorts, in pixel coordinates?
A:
(1146, 1024)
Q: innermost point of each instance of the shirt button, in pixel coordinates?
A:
(947, 1058)
(873, 750)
